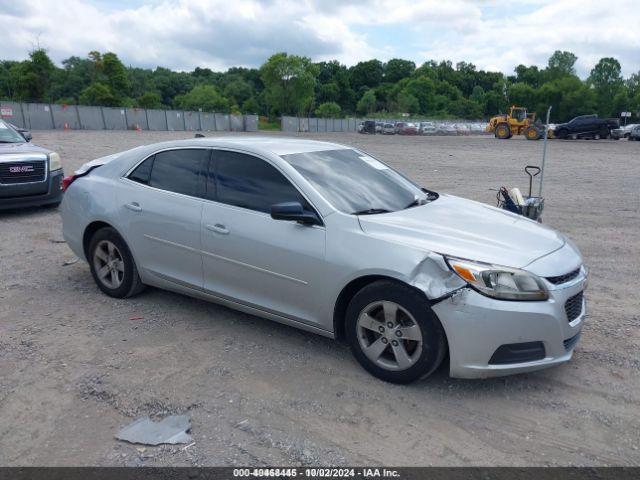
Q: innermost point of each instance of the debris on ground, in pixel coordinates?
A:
(145, 431)
(57, 240)
(136, 318)
(70, 262)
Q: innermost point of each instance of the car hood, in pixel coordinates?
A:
(21, 148)
(463, 228)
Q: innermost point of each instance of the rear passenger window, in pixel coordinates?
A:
(180, 171)
(142, 172)
(250, 182)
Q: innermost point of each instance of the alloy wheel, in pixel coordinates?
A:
(108, 264)
(389, 335)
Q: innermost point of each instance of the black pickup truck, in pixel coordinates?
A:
(586, 126)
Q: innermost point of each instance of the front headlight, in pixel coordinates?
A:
(495, 281)
(54, 162)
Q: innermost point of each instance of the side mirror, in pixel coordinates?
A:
(26, 134)
(293, 211)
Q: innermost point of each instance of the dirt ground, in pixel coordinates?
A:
(76, 366)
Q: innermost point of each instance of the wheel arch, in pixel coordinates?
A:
(348, 292)
(90, 231)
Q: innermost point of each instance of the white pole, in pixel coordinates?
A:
(544, 151)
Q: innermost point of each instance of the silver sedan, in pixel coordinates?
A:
(327, 238)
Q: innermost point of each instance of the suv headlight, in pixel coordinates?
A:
(54, 162)
(495, 281)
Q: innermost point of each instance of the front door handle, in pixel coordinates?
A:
(133, 206)
(218, 228)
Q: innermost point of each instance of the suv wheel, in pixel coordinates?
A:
(112, 265)
(393, 332)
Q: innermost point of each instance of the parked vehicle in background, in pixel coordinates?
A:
(388, 129)
(26, 134)
(368, 126)
(326, 238)
(634, 134)
(586, 126)
(462, 129)
(623, 131)
(398, 127)
(446, 129)
(407, 128)
(379, 126)
(427, 128)
(29, 175)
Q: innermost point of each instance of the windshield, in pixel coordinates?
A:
(9, 135)
(354, 182)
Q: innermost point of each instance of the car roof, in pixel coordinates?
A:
(256, 144)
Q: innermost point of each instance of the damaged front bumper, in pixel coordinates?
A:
(478, 326)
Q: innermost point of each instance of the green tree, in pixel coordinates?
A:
(289, 82)
(606, 78)
(408, 103)
(33, 76)
(479, 96)
(561, 64)
(251, 106)
(115, 74)
(328, 110)
(529, 75)
(367, 74)
(206, 97)
(367, 103)
(522, 95)
(149, 100)
(396, 69)
(237, 89)
(98, 94)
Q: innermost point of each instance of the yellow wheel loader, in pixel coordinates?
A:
(516, 122)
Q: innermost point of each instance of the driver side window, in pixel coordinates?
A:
(249, 182)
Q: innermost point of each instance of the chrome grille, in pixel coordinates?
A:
(27, 171)
(573, 306)
(564, 278)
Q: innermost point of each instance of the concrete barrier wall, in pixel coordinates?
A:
(157, 119)
(65, 116)
(236, 123)
(114, 118)
(208, 121)
(136, 119)
(192, 121)
(12, 113)
(222, 122)
(38, 116)
(90, 118)
(251, 123)
(42, 116)
(175, 120)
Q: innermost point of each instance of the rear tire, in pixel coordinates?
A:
(532, 133)
(112, 265)
(393, 333)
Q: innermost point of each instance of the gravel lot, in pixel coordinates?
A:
(75, 366)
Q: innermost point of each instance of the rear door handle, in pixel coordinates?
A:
(133, 206)
(218, 228)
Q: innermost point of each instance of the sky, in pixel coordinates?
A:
(184, 34)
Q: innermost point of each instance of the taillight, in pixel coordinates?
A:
(66, 181)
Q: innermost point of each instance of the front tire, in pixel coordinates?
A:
(393, 333)
(112, 265)
(503, 132)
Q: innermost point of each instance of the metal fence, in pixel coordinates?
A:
(42, 116)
